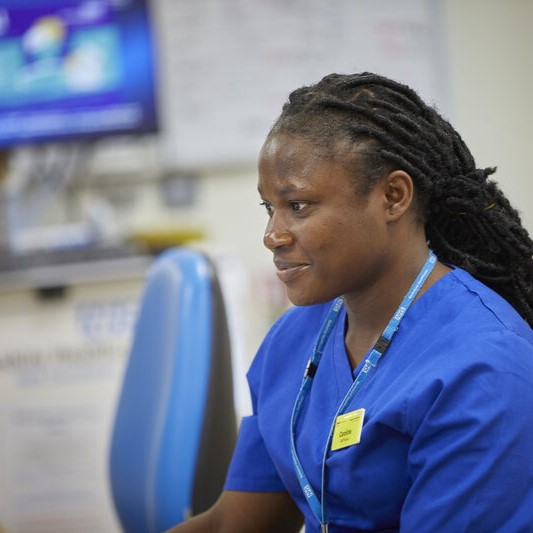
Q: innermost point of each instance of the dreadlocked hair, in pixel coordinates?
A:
(468, 220)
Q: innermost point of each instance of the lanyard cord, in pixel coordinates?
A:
(318, 507)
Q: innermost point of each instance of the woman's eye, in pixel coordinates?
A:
(267, 206)
(298, 206)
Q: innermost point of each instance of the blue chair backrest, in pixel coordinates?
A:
(175, 424)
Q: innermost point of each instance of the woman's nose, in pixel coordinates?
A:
(276, 237)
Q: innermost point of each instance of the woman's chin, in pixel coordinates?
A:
(301, 300)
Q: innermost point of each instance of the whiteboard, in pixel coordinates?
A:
(227, 66)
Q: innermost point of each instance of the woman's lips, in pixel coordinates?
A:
(287, 272)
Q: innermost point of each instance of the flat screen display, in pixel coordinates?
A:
(74, 69)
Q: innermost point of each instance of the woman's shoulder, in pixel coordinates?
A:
(489, 310)
(464, 328)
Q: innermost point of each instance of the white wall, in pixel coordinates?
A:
(491, 75)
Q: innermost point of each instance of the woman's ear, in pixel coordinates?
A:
(399, 192)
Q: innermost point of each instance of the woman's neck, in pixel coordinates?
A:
(368, 314)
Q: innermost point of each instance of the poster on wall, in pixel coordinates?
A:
(61, 364)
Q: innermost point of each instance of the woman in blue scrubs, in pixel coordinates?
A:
(396, 394)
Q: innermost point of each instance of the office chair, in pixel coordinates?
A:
(175, 425)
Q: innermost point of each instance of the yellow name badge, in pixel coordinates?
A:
(348, 429)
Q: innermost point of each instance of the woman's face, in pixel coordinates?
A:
(327, 241)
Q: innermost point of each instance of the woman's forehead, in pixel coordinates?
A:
(295, 166)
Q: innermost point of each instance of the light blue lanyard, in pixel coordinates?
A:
(318, 507)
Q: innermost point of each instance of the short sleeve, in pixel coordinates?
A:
(263, 437)
(251, 468)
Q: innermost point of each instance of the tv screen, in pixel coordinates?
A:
(75, 69)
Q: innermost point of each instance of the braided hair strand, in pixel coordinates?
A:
(468, 220)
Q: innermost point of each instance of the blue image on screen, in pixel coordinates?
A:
(75, 69)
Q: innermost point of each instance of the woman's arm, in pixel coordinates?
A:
(254, 512)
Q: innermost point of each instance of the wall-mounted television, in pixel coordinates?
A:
(75, 69)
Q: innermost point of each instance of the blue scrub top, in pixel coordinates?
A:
(447, 440)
